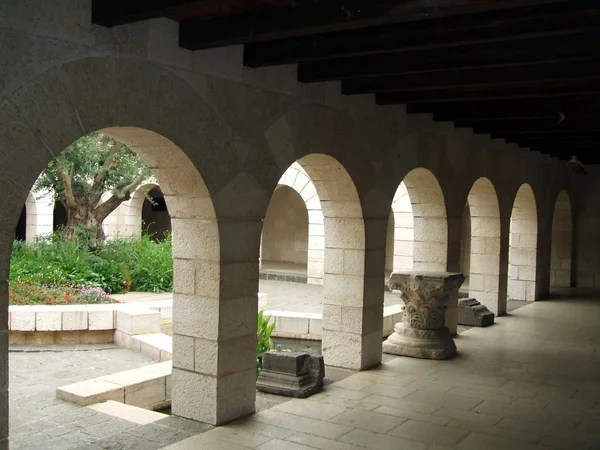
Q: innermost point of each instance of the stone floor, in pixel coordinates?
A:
(38, 421)
(528, 382)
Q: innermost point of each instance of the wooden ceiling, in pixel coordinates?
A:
(527, 71)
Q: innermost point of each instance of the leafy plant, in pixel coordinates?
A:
(264, 343)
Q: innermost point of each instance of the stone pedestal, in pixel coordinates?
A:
(423, 333)
(293, 374)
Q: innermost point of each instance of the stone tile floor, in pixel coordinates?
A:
(530, 382)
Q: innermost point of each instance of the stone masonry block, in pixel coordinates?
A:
(22, 321)
(74, 320)
(101, 320)
(138, 321)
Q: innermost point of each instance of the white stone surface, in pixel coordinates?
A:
(130, 413)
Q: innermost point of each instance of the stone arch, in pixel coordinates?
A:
(178, 134)
(562, 231)
(133, 213)
(285, 229)
(136, 208)
(296, 178)
(344, 313)
(486, 282)
(31, 212)
(522, 255)
(421, 226)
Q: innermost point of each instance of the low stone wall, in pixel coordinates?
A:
(297, 325)
(79, 324)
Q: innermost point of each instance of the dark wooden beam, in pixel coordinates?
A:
(515, 24)
(531, 124)
(119, 12)
(567, 136)
(551, 49)
(484, 77)
(305, 17)
(507, 109)
(500, 132)
(529, 91)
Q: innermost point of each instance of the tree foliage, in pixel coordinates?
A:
(92, 166)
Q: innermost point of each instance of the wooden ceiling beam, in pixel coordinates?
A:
(110, 13)
(529, 91)
(306, 17)
(516, 24)
(507, 109)
(482, 77)
(553, 49)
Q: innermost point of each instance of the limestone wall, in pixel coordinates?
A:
(285, 229)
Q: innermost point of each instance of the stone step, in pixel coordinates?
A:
(157, 346)
(130, 413)
(147, 387)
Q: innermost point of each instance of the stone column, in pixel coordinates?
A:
(423, 333)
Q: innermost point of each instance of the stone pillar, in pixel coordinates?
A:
(3, 365)
(423, 333)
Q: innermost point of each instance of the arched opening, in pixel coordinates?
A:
(421, 227)
(562, 230)
(197, 311)
(156, 221)
(481, 246)
(389, 246)
(296, 178)
(523, 246)
(21, 229)
(348, 339)
(465, 246)
(285, 233)
(59, 217)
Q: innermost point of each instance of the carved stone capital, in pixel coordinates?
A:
(423, 333)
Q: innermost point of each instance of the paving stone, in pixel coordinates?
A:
(303, 424)
(441, 399)
(368, 420)
(321, 443)
(125, 441)
(311, 409)
(467, 416)
(477, 441)
(429, 433)
(380, 441)
(411, 414)
(278, 444)
(252, 426)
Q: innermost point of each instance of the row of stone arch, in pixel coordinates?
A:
(144, 212)
(417, 236)
(216, 272)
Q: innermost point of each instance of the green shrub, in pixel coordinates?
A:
(153, 268)
(119, 266)
(264, 329)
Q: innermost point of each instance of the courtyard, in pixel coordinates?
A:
(527, 382)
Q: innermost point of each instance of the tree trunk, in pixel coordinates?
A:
(82, 222)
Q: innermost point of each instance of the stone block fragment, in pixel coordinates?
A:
(473, 313)
(292, 374)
